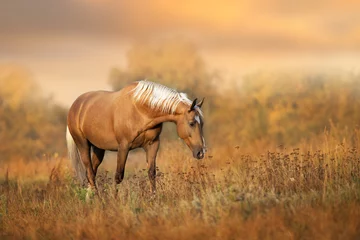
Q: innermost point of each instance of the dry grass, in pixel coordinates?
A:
(277, 194)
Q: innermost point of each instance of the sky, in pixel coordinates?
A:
(71, 45)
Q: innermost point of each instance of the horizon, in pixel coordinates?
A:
(71, 46)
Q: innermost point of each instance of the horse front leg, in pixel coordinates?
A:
(120, 168)
(151, 152)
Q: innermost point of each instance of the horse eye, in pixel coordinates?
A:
(192, 124)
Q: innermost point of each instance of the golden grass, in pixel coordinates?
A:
(282, 193)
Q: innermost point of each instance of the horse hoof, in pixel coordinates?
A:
(152, 195)
(90, 194)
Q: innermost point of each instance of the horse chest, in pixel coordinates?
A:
(146, 137)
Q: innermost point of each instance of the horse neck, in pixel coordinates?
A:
(157, 116)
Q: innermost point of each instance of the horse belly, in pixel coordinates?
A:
(102, 139)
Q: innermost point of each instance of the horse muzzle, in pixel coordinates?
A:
(199, 153)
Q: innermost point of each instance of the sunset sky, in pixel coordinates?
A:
(70, 45)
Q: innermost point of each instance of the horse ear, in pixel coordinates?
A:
(193, 105)
(199, 104)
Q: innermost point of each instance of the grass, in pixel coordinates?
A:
(298, 193)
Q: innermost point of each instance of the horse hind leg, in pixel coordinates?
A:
(97, 158)
(84, 150)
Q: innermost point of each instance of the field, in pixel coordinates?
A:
(310, 192)
(283, 162)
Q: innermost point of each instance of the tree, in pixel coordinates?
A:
(176, 64)
(30, 124)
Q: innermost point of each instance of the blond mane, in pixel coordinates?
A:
(159, 97)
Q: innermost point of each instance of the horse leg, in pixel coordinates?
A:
(97, 158)
(84, 151)
(151, 152)
(120, 168)
(121, 161)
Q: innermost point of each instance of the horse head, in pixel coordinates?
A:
(190, 128)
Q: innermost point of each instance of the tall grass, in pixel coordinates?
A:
(310, 192)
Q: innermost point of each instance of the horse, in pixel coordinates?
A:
(128, 119)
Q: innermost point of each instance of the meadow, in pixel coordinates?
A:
(310, 192)
(283, 162)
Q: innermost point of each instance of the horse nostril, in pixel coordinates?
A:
(200, 155)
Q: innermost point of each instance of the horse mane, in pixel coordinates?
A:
(159, 97)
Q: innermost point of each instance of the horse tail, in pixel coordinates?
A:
(74, 156)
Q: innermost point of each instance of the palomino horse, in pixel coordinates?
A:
(128, 119)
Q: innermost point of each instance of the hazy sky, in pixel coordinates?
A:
(70, 45)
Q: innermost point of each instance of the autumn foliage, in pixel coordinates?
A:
(31, 124)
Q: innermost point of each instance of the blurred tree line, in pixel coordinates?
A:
(173, 63)
(31, 125)
(290, 107)
(268, 107)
